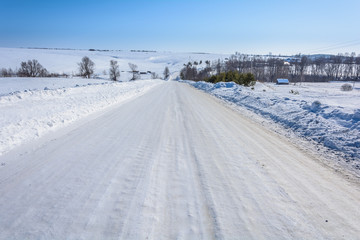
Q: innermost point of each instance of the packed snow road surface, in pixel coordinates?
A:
(173, 163)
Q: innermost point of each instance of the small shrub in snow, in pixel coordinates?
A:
(346, 87)
(316, 103)
(135, 72)
(356, 115)
(315, 106)
(154, 75)
(295, 92)
(7, 72)
(166, 73)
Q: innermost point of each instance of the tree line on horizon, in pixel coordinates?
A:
(86, 68)
(237, 68)
(299, 68)
(215, 73)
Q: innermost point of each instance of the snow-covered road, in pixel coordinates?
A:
(173, 163)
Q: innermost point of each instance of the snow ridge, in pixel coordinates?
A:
(29, 114)
(335, 127)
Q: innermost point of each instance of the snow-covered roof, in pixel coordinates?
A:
(282, 80)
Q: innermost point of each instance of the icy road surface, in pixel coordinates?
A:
(172, 164)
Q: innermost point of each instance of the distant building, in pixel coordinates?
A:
(293, 60)
(282, 81)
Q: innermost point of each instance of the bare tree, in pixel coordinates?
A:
(338, 66)
(218, 67)
(32, 68)
(275, 69)
(189, 72)
(207, 62)
(4, 72)
(135, 72)
(357, 69)
(86, 67)
(114, 71)
(330, 70)
(154, 75)
(7, 72)
(349, 66)
(232, 64)
(259, 68)
(319, 66)
(166, 73)
(303, 67)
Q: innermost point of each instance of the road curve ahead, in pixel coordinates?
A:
(173, 164)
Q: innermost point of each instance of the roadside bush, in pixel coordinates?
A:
(295, 92)
(346, 87)
(315, 106)
(166, 73)
(252, 83)
(154, 75)
(135, 72)
(7, 72)
(189, 72)
(246, 79)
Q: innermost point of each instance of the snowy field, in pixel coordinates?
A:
(15, 85)
(174, 163)
(31, 107)
(320, 112)
(66, 61)
(155, 159)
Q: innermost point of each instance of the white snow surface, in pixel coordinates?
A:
(174, 163)
(29, 114)
(13, 85)
(155, 159)
(320, 112)
(30, 107)
(66, 61)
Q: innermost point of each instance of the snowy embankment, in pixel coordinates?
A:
(173, 164)
(28, 114)
(316, 111)
(14, 85)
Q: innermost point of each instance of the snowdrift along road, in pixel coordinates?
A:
(173, 163)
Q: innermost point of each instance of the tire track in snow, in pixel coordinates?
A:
(172, 164)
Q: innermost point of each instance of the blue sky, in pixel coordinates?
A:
(226, 26)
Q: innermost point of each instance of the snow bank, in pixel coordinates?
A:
(12, 85)
(29, 114)
(320, 112)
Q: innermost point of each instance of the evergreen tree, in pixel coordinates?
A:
(166, 73)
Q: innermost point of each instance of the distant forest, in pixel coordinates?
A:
(298, 68)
